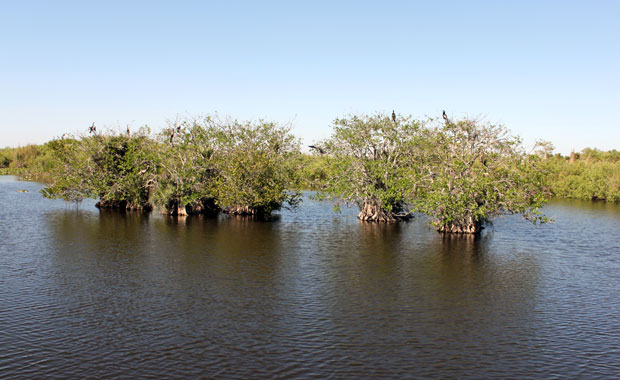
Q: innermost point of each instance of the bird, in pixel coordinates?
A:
(393, 116)
(445, 116)
(92, 128)
(321, 150)
(171, 136)
(127, 129)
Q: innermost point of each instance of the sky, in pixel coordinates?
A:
(546, 70)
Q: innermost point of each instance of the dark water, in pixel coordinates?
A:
(313, 294)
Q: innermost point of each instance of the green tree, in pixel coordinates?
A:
(471, 172)
(369, 158)
(120, 169)
(187, 176)
(254, 171)
(71, 170)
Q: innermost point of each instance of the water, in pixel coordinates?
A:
(313, 294)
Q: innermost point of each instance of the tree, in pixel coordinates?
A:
(126, 170)
(254, 171)
(368, 158)
(471, 172)
(71, 171)
(187, 175)
(118, 169)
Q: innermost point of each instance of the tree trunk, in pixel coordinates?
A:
(466, 226)
(123, 205)
(243, 210)
(573, 157)
(173, 207)
(205, 206)
(372, 212)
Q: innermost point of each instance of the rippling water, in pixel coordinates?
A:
(313, 294)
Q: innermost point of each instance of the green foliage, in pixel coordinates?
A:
(195, 166)
(592, 174)
(311, 170)
(589, 155)
(368, 159)
(186, 179)
(28, 162)
(255, 167)
(69, 169)
(472, 172)
(119, 169)
(4, 161)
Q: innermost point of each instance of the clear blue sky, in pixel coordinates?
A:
(546, 69)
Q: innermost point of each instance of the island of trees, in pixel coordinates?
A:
(461, 173)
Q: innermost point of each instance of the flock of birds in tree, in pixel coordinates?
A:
(92, 129)
(323, 151)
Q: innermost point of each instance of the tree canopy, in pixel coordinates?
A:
(254, 171)
(472, 171)
(369, 158)
(120, 169)
(188, 167)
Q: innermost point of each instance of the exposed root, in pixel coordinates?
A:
(204, 206)
(372, 212)
(244, 210)
(123, 205)
(467, 226)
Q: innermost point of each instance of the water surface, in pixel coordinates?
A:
(311, 294)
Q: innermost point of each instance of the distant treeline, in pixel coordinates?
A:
(30, 162)
(461, 173)
(590, 174)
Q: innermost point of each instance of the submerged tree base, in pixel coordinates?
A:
(244, 211)
(204, 206)
(123, 205)
(372, 212)
(469, 226)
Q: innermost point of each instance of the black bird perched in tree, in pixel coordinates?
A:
(393, 116)
(321, 150)
(445, 116)
(92, 128)
(172, 132)
(127, 129)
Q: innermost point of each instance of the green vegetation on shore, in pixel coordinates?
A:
(30, 162)
(461, 173)
(590, 175)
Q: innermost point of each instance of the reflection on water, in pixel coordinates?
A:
(312, 294)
